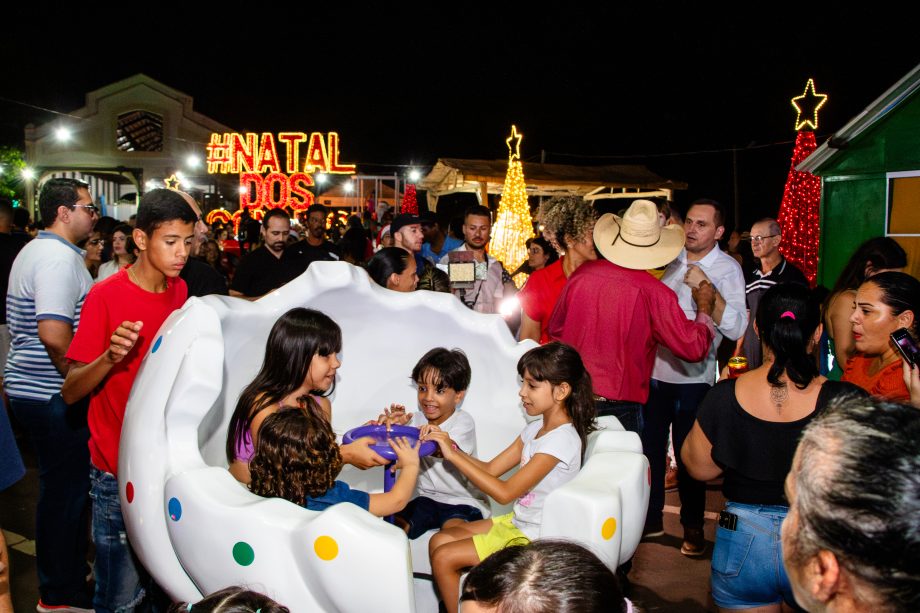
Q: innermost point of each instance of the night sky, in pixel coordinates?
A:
(674, 87)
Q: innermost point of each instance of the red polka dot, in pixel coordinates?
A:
(129, 492)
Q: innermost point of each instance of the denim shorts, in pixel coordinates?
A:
(424, 514)
(747, 563)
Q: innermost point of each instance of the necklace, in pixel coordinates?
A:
(156, 290)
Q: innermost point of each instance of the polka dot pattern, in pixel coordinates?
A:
(609, 528)
(129, 492)
(243, 554)
(175, 509)
(326, 548)
(156, 344)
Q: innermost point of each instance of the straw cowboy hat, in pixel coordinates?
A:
(636, 240)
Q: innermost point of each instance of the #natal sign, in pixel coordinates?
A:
(263, 181)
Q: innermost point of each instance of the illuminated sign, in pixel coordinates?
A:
(263, 181)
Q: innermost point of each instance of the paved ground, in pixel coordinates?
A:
(663, 580)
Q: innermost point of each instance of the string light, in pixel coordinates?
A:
(409, 201)
(808, 105)
(172, 182)
(798, 214)
(513, 223)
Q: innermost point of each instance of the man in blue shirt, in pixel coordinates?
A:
(437, 243)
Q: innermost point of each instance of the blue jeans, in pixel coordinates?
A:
(118, 573)
(59, 435)
(628, 413)
(747, 563)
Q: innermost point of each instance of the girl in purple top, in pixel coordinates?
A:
(298, 371)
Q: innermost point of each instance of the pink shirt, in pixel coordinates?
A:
(616, 317)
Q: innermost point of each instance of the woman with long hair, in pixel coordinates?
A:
(884, 303)
(122, 252)
(747, 429)
(876, 255)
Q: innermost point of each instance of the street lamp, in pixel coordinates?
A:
(414, 175)
(28, 174)
(62, 134)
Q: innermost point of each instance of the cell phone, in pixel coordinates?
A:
(727, 520)
(906, 345)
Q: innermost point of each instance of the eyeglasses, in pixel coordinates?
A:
(97, 241)
(759, 239)
(92, 209)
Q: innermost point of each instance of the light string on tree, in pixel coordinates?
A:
(799, 213)
(513, 223)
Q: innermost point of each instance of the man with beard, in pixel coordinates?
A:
(260, 271)
(485, 294)
(314, 248)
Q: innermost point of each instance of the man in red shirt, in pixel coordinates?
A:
(616, 314)
(119, 322)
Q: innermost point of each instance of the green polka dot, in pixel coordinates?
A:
(243, 554)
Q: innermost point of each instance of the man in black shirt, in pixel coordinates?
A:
(774, 269)
(260, 271)
(201, 278)
(314, 248)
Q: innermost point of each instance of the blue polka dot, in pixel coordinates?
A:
(175, 509)
(156, 345)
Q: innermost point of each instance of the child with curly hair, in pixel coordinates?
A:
(297, 459)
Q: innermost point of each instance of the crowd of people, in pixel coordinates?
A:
(628, 312)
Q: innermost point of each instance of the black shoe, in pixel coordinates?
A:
(694, 544)
(653, 530)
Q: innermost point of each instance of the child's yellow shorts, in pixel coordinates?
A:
(502, 534)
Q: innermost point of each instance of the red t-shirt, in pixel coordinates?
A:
(108, 304)
(888, 383)
(540, 293)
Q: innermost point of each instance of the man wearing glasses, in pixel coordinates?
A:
(47, 286)
(774, 269)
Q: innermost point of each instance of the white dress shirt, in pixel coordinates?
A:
(725, 274)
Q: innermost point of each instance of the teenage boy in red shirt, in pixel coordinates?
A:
(119, 321)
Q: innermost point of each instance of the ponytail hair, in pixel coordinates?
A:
(558, 363)
(787, 317)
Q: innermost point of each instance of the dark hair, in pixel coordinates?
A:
(444, 368)
(433, 279)
(543, 244)
(275, 213)
(296, 337)
(386, 262)
(788, 336)
(231, 600)
(58, 192)
(317, 208)
(856, 496)
(159, 206)
(353, 245)
(124, 229)
(479, 211)
(545, 576)
(296, 456)
(559, 363)
(719, 215)
(901, 292)
(21, 217)
(880, 252)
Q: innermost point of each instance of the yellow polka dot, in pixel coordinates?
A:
(609, 528)
(326, 548)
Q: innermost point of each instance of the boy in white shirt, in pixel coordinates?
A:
(445, 496)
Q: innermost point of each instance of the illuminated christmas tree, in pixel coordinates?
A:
(798, 213)
(409, 201)
(513, 224)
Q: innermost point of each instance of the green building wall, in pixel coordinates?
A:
(854, 185)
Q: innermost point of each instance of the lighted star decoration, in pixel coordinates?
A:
(807, 106)
(172, 182)
(515, 151)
